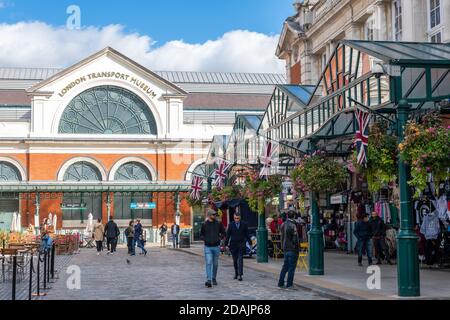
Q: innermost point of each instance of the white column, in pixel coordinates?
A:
(381, 25)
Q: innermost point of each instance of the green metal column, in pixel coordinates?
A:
(262, 234)
(316, 258)
(407, 251)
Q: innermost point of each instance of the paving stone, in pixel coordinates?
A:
(164, 274)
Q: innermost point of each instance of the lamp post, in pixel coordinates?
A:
(407, 253)
(316, 255)
(262, 234)
(316, 258)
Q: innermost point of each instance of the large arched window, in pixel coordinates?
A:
(9, 173)
(82, 172)
(107, 110)
(133, 171)
(82, 203)
(199, 170)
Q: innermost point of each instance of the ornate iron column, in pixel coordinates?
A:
(407, 250)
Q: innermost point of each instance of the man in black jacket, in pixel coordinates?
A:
(363, 232)
(112, 232)
(237, 237)
(291, 246)
(211, 233)
(379, 234)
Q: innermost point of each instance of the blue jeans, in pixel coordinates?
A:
(289, 266)
(367, 245)
(140, 244)
(212, 262)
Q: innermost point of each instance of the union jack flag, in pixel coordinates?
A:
(196, 187)
(362, 136)
(222, 167)
(268, 157)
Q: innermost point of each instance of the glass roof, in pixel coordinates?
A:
(301, 92)
(403, 52)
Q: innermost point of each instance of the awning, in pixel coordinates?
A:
(99, 187)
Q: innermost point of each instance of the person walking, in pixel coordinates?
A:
(162, 233)
(175, 230)
(99, 231)
(112, 233)
(378, 228)
(363, 233)
(211, 233)
(291, 246)
(139, 238)
(129, 233)
(236, 239)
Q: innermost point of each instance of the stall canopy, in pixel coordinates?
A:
(371, 75)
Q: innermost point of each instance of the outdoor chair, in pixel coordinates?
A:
(277, 249)
(302, 261)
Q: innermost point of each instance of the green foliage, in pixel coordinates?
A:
(426, 149)
(318, 173)
(259, 190)
(382, 164)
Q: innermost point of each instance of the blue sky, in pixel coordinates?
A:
(188, 20)
(190, 35)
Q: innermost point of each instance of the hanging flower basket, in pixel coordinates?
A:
(258, 191)
(382, 164)
(426, 149)
(318, 173)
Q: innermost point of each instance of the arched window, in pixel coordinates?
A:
(133, 171)
(87, 203)
(107, 110)
(9, 173)
(199, 170)
(82, 172)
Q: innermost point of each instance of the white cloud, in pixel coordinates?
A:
(37, 44)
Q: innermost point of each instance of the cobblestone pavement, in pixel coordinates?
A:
(165, 274)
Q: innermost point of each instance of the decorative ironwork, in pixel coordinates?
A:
(133, 171)
(107, 110)
(9, 173)
(82, 171)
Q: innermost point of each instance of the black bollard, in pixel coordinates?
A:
(48, 267)
(30, 286)
(45, 270)
(38, 293)
(53, 261)
(14, 277)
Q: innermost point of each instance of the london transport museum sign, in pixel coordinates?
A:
(110, 75)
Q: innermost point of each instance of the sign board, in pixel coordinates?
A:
(73, 206)
(338, 199)
(142, 205)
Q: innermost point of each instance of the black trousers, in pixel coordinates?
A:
(431, 251)
(112, 244)
(99, 245)
(380, 248)
(238, 259)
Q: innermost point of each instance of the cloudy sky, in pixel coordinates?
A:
(190, 35)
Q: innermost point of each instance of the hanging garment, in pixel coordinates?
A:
(394, 214)
(430, 227)
(441, 207)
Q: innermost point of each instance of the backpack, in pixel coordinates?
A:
(127, 231)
